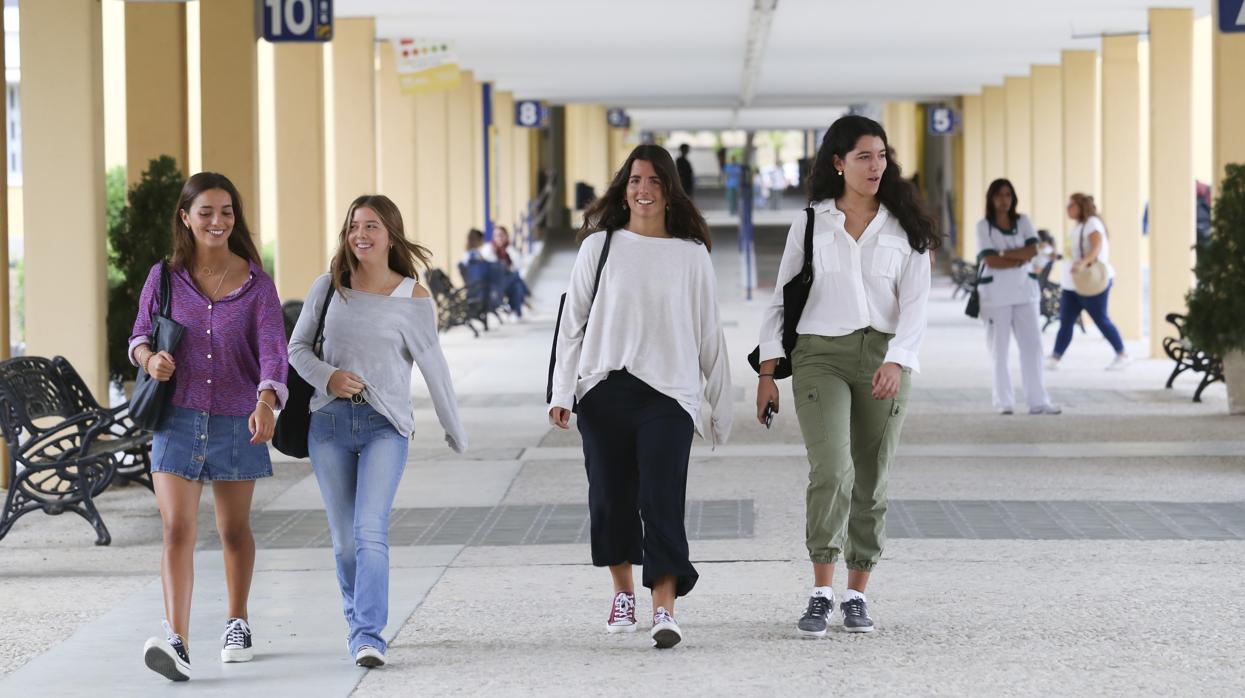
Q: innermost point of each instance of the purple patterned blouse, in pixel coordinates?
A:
(232, 349)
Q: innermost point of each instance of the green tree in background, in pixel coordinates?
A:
(137, 239)
(1216, 318)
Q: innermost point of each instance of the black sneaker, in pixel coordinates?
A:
(856, 616)
(168, 656)
(813, 623)
(237, 639)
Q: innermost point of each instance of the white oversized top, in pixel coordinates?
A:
(655, 315)
(1015, 286)
(879, 281)
(1080, 235)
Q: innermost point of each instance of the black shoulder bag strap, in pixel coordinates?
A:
(807, 271)
(557, 328)
(317, 342)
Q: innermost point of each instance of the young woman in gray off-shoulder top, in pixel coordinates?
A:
(380, 321)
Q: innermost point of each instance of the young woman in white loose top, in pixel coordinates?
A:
(638, 357)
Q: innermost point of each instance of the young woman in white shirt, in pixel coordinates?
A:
(1089, 243)
(637, 357)
(1010, 293)
(859, 339)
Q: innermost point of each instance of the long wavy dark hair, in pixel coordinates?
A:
(896, 193)
(995, 187)
(240, 241)
(609, 211)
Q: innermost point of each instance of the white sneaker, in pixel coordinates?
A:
(665, 633)
(1046, 409)
(1052, 363)
(237, 639)
(168, 656)
(1120, 362)
(369, 657)
(622, 614)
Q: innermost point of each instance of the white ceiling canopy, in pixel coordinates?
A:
(692, 54)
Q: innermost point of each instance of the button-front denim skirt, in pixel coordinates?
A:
(196, 445)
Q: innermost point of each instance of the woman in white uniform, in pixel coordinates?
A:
(1010, 293)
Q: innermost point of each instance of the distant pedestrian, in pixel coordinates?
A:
(1010, 296)
(1089, 245)
(734, 181)
(687, 178)
(634, 356)
(380, 321)
(859, 340)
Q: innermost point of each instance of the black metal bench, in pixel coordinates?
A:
(65, 448)
(1190, 358)
(454, 306)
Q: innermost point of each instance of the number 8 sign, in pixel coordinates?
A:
(529, 114)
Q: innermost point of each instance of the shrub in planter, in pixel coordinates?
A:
(137, 240)
(1216, 316)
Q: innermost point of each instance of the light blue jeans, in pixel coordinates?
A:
(358, 458)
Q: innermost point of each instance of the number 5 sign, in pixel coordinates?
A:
(941, 121)
(296, 20)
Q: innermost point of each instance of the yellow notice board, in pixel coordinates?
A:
(426, 65)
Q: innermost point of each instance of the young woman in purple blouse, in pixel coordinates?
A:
(228, 376)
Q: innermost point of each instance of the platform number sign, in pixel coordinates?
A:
(618, 118)
(1231, 16)
(941, 121)
(297, 20)
(529, 113)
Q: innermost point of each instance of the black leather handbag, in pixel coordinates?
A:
(147, 404)
(794, 298)
(557, 328)
(294, 423)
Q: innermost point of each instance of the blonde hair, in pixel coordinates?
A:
(404, 255)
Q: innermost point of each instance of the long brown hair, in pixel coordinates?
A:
(240, 241)
(404, 255)
(683, 219)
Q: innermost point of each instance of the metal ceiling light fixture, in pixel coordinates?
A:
(754, 49)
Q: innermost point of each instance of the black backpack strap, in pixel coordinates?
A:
(605, 252)
(317, 343)
(807, 270)
(166, 289)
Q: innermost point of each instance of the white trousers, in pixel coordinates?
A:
(1002, 322)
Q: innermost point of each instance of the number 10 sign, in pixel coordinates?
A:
(297, 20)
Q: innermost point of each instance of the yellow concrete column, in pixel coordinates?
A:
(1047, 205)
(1171, 174)
(1080, 126)
(901, 132)
(432, 184)
(229, 115)
(462, 135)
(62, 102)
(1018, 94)
(395, 139)
(587, 149)
(520, 170)
(619, 150)
(505, 209)
(994, 143)
(972, 186)
(350, 117)
(1121, 177)
(155, 86)
(298, 101)
(1229, 101)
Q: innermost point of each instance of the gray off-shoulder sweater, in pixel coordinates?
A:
(378, 338)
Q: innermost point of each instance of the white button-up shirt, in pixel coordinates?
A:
(878, 281)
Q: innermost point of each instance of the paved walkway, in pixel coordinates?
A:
(1098, 552)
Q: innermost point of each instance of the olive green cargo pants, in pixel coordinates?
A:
(850, 438)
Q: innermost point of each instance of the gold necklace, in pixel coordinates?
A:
(223, 275)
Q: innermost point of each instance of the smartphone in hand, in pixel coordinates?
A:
(769, 414)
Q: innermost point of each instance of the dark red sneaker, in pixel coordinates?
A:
(622, 614)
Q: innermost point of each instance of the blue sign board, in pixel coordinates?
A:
(941, 121)
(529, 113)
(1231, 16)
(297, 20)
(618, 118)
